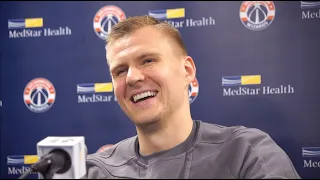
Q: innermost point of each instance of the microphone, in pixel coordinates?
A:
(60, 158)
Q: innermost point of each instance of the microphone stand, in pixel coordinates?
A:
(62, 162)
(41, 166)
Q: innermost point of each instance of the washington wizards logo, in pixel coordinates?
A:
(257, 15)
(39, 95)
(105, 18)
(193, 90)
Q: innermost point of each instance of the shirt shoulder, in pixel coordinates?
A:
(264, 158)
(101, 164)
(217, 134)
(249, 152)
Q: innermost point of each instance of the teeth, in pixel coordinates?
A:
(143, 95)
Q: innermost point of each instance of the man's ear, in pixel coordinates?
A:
(190, 69)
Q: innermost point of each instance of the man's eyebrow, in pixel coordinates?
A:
(120, 62)
(144, 55)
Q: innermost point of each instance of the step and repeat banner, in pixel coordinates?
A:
(257, 65)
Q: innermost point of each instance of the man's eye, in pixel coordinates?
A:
(121, 71)
(147, 61)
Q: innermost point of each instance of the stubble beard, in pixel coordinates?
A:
(154, 124)
(160, 120)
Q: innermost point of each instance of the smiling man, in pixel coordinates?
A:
(151, 72)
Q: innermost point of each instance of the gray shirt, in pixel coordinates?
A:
(211, 151)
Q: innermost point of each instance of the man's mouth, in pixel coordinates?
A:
(143, 96)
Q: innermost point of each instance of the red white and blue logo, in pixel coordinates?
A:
(105, 18)
(193, 90)
(39, 95)
(257, 15)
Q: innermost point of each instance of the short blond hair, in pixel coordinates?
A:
(134, 23)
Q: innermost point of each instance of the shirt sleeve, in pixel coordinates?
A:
(93, 170)
(264, 159)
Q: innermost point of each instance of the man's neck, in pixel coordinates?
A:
(166, 134)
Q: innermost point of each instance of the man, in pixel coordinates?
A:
(151, 72)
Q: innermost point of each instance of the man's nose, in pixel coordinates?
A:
(134, 75)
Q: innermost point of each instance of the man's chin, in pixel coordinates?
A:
(144, 122)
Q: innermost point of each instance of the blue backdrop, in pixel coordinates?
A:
(257, 65)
